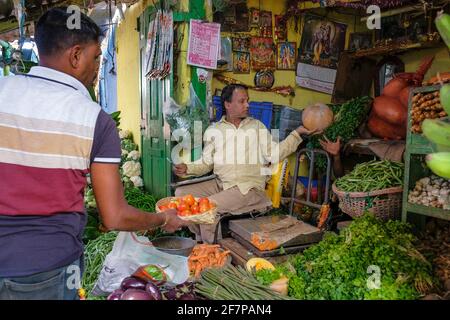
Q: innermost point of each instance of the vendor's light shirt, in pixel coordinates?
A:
(241, 156)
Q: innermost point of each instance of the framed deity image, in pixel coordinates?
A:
(286, 55)
(241, 62)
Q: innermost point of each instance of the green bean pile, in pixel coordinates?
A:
(140, 199)
(95, 253)
(372, 175)
(231, 283)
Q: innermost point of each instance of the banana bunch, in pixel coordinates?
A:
(443, 25)
(438, 130)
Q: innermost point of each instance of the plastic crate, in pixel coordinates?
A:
(286, 127)
(276, 116)
(258, 110)
(291, 114)
(261, 111)
(218, 107)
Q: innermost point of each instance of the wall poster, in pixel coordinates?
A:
(204, 44)
(321, 44)
(262, 53)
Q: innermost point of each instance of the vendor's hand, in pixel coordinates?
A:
(332, 148)
(303, 131)
(174, 223)
(180, 169)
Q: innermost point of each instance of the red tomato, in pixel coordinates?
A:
(189, 199)
(163, 208)
(185, 213)
(183, 206)
(195, 209)
(203, 200)
(204, 207)
(172, 205)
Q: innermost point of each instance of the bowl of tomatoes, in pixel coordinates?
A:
(196, 210)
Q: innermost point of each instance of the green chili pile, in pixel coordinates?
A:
(140, 199)
(372, 175)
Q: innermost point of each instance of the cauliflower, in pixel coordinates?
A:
(131, 168)
(124, 134)
(137, 181)
(124, 153)
(134, 155)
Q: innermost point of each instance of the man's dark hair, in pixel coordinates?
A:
(227, 94)
(53, 35)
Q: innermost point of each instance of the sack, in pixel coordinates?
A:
(128, 254)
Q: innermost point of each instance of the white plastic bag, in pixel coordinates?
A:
(128, 254)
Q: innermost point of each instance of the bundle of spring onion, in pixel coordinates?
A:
(231, 283)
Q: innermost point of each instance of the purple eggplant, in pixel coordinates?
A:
(115, 295)
(153, 290)
(132, 283)
(135, 294)
(171, 294)
(187, 296)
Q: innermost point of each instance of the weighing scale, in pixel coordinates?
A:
(278, 235)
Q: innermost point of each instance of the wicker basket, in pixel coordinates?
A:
(208, 217)
(385, 204)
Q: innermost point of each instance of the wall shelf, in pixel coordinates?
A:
(394, 48)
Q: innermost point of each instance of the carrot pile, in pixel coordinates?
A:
(205, 256)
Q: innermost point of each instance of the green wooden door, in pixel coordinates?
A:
(156, 168)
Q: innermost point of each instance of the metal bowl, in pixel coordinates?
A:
(175, 245)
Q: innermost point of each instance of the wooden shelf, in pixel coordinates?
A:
(418, 149)
(394, 48)
(428, 211)
(417, 144)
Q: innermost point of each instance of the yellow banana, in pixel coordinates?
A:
(439, 163)
(437, 131)
(445, 98)
(443, 25)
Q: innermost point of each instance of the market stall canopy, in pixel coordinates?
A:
(35, 8)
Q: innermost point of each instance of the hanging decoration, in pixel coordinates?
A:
(264, 79)
(285, 91)
(280, 28)
(265, 21)
(254, 18)
(159, 51)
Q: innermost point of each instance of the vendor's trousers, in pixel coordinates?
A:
(59, 284)
(228, 201)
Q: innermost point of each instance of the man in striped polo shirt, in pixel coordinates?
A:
(51, 136)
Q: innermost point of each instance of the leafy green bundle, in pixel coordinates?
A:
(368, 260)
(347, 118)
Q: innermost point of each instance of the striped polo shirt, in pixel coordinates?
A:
(50, 133)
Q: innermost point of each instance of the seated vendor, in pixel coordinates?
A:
(241, 168)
